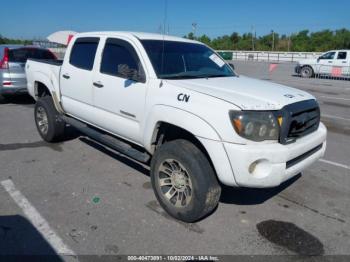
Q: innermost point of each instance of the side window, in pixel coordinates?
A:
(120, 59)
(83, 52)
(329, 56)
(341, 55)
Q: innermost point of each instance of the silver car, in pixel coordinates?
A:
(12, 61)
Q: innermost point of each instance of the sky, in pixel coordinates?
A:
(38, 18)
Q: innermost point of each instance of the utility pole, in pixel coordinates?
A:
(273, 40)
(289, 43)
(253, 29)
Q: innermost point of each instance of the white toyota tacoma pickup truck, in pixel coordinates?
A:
(175, 104)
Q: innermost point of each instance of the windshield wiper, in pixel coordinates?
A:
(180, 77)
(185, 76)
(217, 75)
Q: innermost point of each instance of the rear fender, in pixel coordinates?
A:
(43, 79)
(52, 86)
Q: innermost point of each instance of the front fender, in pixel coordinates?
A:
(192, 123)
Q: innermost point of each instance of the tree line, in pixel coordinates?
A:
(303, 41)
(9, 41)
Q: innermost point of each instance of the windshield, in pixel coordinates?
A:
(183, 60)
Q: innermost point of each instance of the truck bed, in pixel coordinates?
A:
(46, 71)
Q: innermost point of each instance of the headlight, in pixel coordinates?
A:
(256, 125)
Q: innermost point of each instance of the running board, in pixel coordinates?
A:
(108, 140)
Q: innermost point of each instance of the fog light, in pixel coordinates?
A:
(260, 168)
(252, 167)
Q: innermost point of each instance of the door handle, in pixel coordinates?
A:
(330, 62)
(66, 76)
(98, 84)
(344, 62)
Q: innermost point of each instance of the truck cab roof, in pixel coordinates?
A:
(139, 35)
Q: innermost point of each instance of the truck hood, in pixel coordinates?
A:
(311, 61)
(246, 93)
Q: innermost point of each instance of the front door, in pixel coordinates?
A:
(325, 63)
(120, 89)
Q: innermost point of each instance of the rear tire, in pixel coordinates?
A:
(306, 72)
(184, 181)
(48, 121)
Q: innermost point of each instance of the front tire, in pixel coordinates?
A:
(306, 72)
(48, 121)
(184, 181)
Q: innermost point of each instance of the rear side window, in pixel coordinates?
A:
(83, 52)
(119, 55)
(341, 55)
(20, 55)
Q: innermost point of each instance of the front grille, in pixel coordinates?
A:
(299, 119)
(304, 123)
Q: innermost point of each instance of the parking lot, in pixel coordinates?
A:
(93, 200)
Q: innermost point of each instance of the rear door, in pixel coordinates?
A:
(76, 78)
(120, 100)
(17, 59)
(342, 62)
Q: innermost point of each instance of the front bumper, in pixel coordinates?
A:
(273, 163)
(297, 69)
(269, 165)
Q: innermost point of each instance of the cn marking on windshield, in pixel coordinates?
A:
(183, 97)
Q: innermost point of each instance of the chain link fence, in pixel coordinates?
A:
(59, 52)
(267, 56)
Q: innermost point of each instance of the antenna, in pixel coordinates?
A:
(164, 23)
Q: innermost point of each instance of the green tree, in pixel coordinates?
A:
(342, 39)
(301, 41)
(204, 39)
(320, 41)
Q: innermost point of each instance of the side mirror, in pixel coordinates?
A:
(126, 72)
(232, 66)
